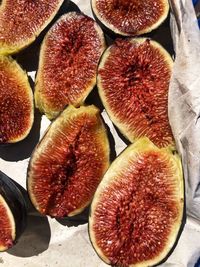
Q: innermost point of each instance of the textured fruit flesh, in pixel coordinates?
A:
(6, 226)
(16, 102)
(136, 212)
(130, 16)
(133, 83)
(69, 58)
(70, 164)
(21, 21)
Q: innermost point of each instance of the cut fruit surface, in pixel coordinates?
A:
(7, 226)
(16, 102)
(69, 163)
(130, 17)
(133, 81)
(12, 212)
(22, 21)
(137, 210)
(69, 58)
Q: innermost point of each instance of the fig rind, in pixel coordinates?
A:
(124, 125)
(106, 190)
(47, 88)
(16, 105)
(8, 47)
(68, 163)
(7, 216)
(14, 206)
(111, 28)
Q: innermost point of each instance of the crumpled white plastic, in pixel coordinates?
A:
(49, 243)
(184, 98)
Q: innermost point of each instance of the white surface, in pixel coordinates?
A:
(70, 246)
(184, 100)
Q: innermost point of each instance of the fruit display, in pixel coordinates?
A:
(129, 17)
(16, 102)
(81, 84)
(133, 81)
(68, 63)
(137, 210)
(22, 21)
(12, 212)
(69, 163)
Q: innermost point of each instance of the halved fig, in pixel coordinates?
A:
(12, 213)
(137, 210)
(22, 21)
(130, 17)
(69, 163)
(16, 102)
(68, 63)
(133, 80)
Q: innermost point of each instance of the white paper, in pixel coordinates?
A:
(184, 99)
(48, 243)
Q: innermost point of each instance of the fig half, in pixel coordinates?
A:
(68, 63)
(130, 17)
(133, 81)
(22, 21)
(16, 102)
(13, 213)
(137, 210)
(69, 163)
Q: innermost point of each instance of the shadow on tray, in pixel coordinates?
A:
(36, 237)
(23, 149)
(163, 35)
(94, 98)
(76, 220)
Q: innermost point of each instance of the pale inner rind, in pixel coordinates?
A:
(14, 69)
(127, 130)
(6, 49)
(66, 116)
(11, 220)
(42, 102)
(117, 31)
(121, 163)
